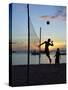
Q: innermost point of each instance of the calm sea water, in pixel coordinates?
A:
(21, 59)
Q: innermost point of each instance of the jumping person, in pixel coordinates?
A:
(47, 44)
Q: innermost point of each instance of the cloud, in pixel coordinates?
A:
(53, 17)
(61, 11)
(60, 14)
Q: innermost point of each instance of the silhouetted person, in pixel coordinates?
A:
(47, 44)
(57, 56)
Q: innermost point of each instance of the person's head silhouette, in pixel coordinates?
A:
(58, 49)
(49, 40)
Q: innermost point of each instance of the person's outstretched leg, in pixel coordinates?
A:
(48, 55)
(49, 58)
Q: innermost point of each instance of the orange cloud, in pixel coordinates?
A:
(53, 17)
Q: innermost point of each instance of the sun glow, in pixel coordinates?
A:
(56, 45)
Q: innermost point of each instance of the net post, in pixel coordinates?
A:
(40, 47)
(28, 45)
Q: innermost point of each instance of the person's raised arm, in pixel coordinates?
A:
(42, 43)
(51, 43)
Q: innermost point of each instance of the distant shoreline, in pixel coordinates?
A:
(35, 53)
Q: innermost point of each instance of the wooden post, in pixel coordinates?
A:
(40, 46)
(28, 45)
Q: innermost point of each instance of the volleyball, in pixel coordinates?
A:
(48, 22)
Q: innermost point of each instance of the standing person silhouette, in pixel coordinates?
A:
(57, 55)
(47, 44)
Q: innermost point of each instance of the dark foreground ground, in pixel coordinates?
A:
(38, 74)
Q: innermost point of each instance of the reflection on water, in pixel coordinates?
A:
(21, 59)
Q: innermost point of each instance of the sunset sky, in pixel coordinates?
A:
(39, 15)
